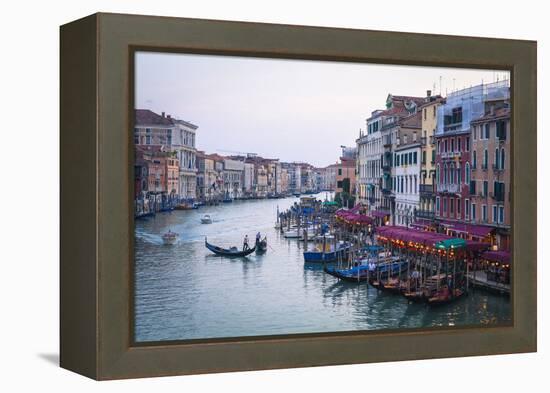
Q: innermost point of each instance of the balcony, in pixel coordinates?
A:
(450, 154)
(427, 214)
(449, 188)
(427, 189)
(497, 168)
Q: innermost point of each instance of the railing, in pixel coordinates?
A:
(450, 154)
(425, 214)
(497, 168)
(454, 188)
(427, 188)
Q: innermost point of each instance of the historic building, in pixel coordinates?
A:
(406, 184)
(369, 170)
(178, 136)
(399, 119)
(183, 142)
(426, 210)
(490, 177)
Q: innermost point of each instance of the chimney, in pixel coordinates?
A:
(162, 114)
(428, 93)
(169, 117)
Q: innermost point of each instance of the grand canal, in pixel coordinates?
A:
(185, 292)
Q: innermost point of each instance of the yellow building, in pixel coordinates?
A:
(427, 155)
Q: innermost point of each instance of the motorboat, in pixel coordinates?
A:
(206, 219)
(170, 238)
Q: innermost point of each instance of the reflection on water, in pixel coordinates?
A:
(185, 292)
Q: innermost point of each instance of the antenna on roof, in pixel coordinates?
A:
(440, 84)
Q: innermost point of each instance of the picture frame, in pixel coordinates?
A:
(96, 263)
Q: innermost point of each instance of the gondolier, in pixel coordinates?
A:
(245, 243)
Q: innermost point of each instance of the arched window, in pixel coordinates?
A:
(485, 158)
(467, 174)
(445, 174)
(438, 173)
(502, 158)
(458, 174)
(452, 173)
(497, 161)
(474, 159)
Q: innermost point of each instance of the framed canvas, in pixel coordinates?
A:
(243, 196)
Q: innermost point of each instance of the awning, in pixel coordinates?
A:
(497, 256)
(380, 213)
(451, 244)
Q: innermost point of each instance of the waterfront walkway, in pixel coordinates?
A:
(479, 279)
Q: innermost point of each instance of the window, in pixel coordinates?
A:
(425, 113)
(501, 214)
(439, 146)
(473, 211)
(495, 216)
(433, 156)
(339, 174)
(457, 115)
(451, 206)
(452, 144)
(397, 157)
(445, 174)
(437, 205)
(485, 188)
(502, 158)
(423, 157)
(446, 146)
(458, 175)
(415, 157)
(444, 206)
(497, 161)
(434, 114)
(458, 144)
(474, 159)
(472, 187)
(501, 130)
(467, 208)
(484, 213)
(485, 159)
(136, 139)
(475, 132)
(148, 139)
(467, 177)
(438, 173)
(410, 158)
(467, 147)
(458, 207)
(487, 131)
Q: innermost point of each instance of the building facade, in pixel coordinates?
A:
(490, 178)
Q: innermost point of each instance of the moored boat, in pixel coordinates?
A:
(358, 273)
(330, 253)
(206, 219)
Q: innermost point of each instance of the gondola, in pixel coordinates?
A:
(445, 297)
(261, 246)
(355, 274)
(231, 252)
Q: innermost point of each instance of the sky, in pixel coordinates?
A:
(294, 110)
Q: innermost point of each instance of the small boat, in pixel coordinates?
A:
(145, 215)
(170, 238)
(445, 296)
(330, 254)
(228, 252)
(206, 219)
(261, 246)
(358, 273)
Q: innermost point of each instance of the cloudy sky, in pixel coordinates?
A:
(287, 109)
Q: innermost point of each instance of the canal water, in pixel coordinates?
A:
(184, 292)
